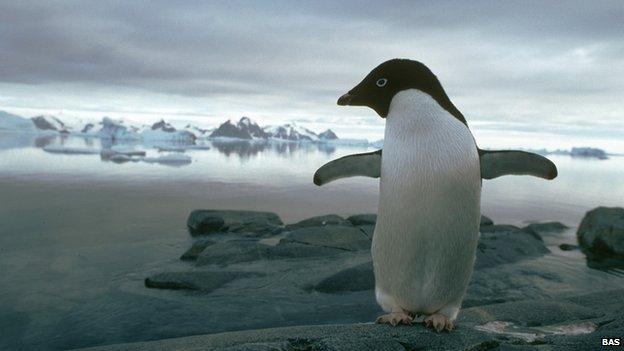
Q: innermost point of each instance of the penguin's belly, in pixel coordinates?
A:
(429, 209)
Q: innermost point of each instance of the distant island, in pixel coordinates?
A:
(586, 152)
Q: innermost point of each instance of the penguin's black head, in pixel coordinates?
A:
(378, 88)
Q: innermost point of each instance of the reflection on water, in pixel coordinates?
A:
(245, 149)
(241, 149)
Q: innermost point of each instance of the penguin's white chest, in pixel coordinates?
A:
(429, 207)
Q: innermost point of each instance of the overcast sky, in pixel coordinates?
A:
(530, 63)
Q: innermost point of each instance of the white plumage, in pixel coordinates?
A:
(429, 208)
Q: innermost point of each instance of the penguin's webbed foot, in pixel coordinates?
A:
(439, 322)
(395, 318)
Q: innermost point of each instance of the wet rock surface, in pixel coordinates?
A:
(312, 285)
(507, 244)
(320, 221)
(333, 236)
(251, 223)
(363, 219)
(198, 246)
(574, 327)
(204, 281)
(546, 228)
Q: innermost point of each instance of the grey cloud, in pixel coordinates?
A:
(312, 50)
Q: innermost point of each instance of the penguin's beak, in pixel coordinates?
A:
(345, 99)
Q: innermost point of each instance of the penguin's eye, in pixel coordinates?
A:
(381, 82)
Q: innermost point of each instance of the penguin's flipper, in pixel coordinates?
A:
(505, 162)
(366, 164)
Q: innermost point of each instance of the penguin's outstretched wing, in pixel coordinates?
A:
(503, 162)
(494, 164)
(367, 164)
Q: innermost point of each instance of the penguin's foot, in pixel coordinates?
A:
(395, 318)
(439, 322)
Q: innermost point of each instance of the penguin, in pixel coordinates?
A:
(425, 239)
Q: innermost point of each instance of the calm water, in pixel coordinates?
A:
(75, 226)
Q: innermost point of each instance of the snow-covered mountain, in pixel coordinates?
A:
(113, 129)
(328, 135)
(197, 131)
(162, 130)
(291, 132)
(47, 122)
(245, 128)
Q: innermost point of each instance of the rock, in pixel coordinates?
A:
(368, 230)
(568, 247)
(498, 227)
(298, 250)
(319, 221)
(233, 251)
(363, 219)
(237, 251)
(248, 223)
(193, 252)
(486, 221)
(201, 222)
(501, 244)
(328, 135)
(355, 278)
(545, 228)
(204, 281)
(602, 231)
(335, 236)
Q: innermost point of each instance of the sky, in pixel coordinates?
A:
(552, 67)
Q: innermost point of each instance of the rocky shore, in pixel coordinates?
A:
(309, 286)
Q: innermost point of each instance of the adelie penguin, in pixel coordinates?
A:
(427, 229)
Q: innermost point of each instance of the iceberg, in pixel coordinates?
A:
(13, 122)
(60, 149)
(176, 159)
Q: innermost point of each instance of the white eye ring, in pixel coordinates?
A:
(381, 82)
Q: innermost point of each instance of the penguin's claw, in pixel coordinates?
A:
(394, 319)
(439, 322)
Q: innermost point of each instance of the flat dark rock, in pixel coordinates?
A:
(357, 278)
(368, 230)
(602, 231)
(334, 236)
(319, 221)
(249, 223)
(506, 244)
(238, 251)
(193, 252)
(233, 251)
(545, 228)
(363, 219)
(204, 281)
